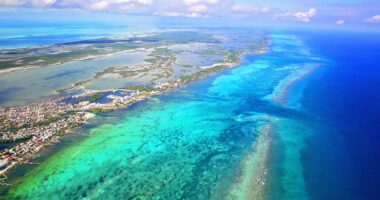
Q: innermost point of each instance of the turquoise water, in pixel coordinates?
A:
(224, 137)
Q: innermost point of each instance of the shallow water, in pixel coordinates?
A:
(197, 142)
(26, 86)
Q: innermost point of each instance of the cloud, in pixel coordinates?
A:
(130, 6)
(105, 5)
(179, 14)
(101, 5)
(249, 8)
(340, 22)
(32, 3)
(198, 8)
(305, 16)
(192, 2)
(253, 11)
(12, 2)
(177, 8)
(145, 2)
(374, 19)
(192, 8)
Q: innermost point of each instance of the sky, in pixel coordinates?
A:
(330, 13)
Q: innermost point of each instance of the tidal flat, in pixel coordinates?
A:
(146, 59)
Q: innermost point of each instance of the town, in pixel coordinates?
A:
(30, 128)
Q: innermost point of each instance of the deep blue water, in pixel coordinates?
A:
(342, 160)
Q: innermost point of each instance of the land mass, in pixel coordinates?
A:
(173, 59)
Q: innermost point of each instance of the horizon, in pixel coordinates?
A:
(339, 15)
(189, 99)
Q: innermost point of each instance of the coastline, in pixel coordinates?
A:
(90, 57)
(88, 112)
(256, 162)
(12, 161)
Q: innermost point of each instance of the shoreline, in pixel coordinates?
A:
(253, 184)
(120, 103)
(89, 57)
(11, 161)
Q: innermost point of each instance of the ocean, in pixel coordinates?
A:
(299, 122)
(344, 95)
(42, 34)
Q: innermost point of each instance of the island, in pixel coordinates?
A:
(146, 65)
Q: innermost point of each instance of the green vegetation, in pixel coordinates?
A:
(100, 110)
(140, 88)
(47, 58)
(187, 66)
(48, 121)
(232, 56)
(160, 54)
(95, 97)
(202, 73)
(44, 56)
(50, 55)
(13, 128)
(151, 60)
(183, 37)
(72, 87)
(21, 139)
(161, 50)
(6, 64)
(54, 119)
